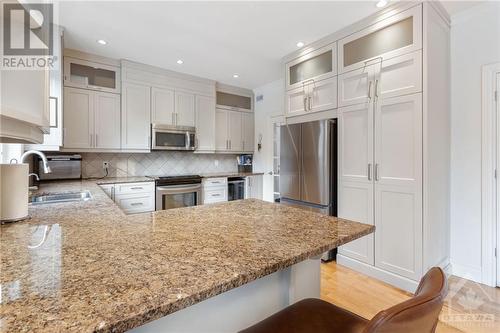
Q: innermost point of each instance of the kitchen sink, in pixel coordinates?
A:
(60, 197)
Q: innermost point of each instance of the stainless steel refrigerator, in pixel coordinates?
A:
(308, 166)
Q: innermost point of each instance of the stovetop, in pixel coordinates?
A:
(176, 180)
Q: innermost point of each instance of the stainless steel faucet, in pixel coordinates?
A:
(35, 175)
(46, 167)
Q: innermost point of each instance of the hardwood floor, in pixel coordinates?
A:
(469, 308)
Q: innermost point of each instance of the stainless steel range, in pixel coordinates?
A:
(177, 191)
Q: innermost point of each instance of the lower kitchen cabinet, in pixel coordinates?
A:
(253, 187)
(132, 197)
(214, 190)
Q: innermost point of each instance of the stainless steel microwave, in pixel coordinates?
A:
(168, 137)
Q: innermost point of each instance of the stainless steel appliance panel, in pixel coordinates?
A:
(325, 210)
(315, 168)
(290, 161)
(167, 137)
(62, 167)
(235, 188)
(177, 196)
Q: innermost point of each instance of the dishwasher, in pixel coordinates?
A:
(235, 188)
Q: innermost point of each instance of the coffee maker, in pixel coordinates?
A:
(245, 163)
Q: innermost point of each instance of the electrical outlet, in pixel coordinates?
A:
(105, 165)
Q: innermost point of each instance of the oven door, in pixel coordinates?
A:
(173, 138)
(177, 196)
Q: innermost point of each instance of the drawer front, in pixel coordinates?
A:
(136, 203)
(129, 188)
(215, 195)
(211, 182)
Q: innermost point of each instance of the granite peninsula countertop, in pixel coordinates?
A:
(88, 267)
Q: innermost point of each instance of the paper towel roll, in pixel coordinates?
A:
(13, 192)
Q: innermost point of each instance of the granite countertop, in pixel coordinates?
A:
(230, 174)
(88, 267)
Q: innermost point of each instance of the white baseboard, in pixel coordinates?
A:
(379, 274)
(467, 272)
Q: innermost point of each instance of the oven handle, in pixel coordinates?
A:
(178, 188)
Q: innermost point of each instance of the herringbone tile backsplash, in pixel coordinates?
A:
(156, 163)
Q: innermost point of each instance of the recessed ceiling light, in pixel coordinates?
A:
(300, 44)
(180, 62)
(381, 3)
(236, 76)
(102, 41)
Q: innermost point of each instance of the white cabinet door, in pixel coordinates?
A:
(107, 120)
(221, 130)
(323, 95)
(254, 186)
(109, 189)
(162, 106)
(400, 76)
(78, 118)
(296, 102)
(235, 131)
(398, 185)
(185, 109)
(355, 188)
(248, 131)
(205, 123)
(356, 87)
(136, 116)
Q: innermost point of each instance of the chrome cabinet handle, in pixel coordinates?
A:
(91, 140)
(377, 178)
(309, 102)
(136, 188)
(96, 144)
(136, 204)
(216, 195)
(369, 171)
(376, 88)
(305, 103)
(370, 90)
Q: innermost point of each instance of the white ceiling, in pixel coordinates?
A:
(214, 39)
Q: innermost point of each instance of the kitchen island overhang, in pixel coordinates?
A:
(230, 263)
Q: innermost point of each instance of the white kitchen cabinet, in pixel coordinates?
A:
(315, 66)
(91, 119)
(313, 96)
(205, 123)
(398, 185)
(136, 116)
(184, 109)
(85, 74)
(162, 106)
(78, 118)
(394, 77)
(248, 126)
(397, 35)
(355, 184)
(233, 128)
(107, 120)
(132, 197)
(214, 190)
(253, 187)
(235, 131)
(221, 130)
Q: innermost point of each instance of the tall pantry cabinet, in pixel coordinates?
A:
(393, 165)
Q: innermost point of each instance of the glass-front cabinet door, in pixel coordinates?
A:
(397, 35)
(312, 67)
(80, 73)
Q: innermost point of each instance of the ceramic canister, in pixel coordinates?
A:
(13, 192)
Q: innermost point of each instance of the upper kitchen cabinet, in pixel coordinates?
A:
(162, 106)
(312, 97)
(205, 124)
(314, 66)
(90, 74)
(397, 35)
(136, 116)
(184, 109)
(234, 101)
